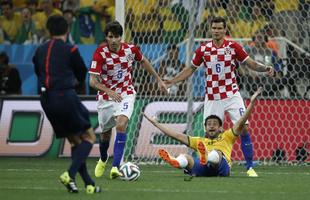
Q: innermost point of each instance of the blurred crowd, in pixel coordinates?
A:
(167, 22)
(23, 21)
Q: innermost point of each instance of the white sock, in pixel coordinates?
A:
(214, 157)
(182, 160)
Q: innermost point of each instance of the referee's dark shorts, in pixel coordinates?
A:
(66, 112)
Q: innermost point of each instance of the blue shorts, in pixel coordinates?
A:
(207, 170)
(65, 112)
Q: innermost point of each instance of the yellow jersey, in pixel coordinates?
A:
(224, 143)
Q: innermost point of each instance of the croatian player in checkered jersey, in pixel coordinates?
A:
(111, 75)
(219, 56)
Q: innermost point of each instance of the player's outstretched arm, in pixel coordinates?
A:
(167, 131)
(147, 65)
(241, 122)
(256, 66)
(184, 74)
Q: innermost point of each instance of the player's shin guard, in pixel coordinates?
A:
(247, 149)
(79, 156)
(119, 146)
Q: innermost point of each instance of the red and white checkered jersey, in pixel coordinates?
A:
(220, 63)
(115, 69)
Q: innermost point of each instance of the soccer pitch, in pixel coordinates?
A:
(37, 178)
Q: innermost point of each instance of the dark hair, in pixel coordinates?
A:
(214, 117)
(4, 3)
(68, 11)
(260, 32)
(114, 27)
(218, 20)
(57, 25)
(29, 2)
(5, 57)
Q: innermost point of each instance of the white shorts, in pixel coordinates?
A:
(233, 105)
(109, 110)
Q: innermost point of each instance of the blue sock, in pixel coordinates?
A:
(79, 156)
(247, 149)
(103, 146)
(119, 146)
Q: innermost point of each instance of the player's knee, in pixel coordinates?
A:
(121, 126)
(214, 157)
(105, 136)
(121, 123)
(89, 136)
(74, 140)
(245, 130)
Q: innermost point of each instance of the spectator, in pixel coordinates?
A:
(10, 82)
(10, 21)
(32, 5)
(151, 30)
(27, 33)
(48, 10)
(170, 67)
(86, 29)
(174, 29)
(106, 11)
(71, 5)
(19, 4)
(73, 37)
(238, 28)
(261, 53)
(294, 73)
(272, 32)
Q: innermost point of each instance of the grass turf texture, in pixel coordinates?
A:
(37, 178)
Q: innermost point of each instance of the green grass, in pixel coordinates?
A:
(36, 178)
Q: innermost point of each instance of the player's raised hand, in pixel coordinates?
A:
(114, 96)
(254, 96)
(163, 87)
(270, 70)
(168, 83)
(150, 119)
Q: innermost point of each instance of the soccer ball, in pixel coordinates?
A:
(130, 171)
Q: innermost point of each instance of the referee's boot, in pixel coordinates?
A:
(68, 182)
(91, 189)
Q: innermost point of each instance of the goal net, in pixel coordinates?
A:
(276, 34)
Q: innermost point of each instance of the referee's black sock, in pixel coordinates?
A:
(79, 156)
(85, 176)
